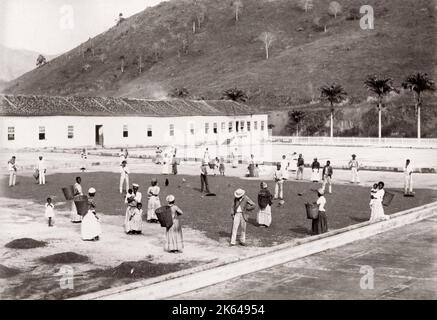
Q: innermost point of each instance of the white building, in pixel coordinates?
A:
(73, 122)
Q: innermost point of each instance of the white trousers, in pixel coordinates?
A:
(279, 189)
(238, 221)
(42, 177)
(327, 181)
(124, 178)
(12, 178)
(408, 183)
(355, 177)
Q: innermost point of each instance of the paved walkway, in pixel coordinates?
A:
(403, 261)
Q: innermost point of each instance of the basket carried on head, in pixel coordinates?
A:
(81, 203)
(388, 197)
(68, 192)
(164, 216)
(312, 210)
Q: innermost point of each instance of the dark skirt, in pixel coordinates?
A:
(320, 225)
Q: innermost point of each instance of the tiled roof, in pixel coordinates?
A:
(27, 105)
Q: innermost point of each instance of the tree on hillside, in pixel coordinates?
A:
(380, 86)
(122, 63)
(334, 8)
(267, 38)
(294, 118)
(235, 94)
(306, 5)
(334, 94)
(41, 60)
(418, 83)
(238, 7)
(181, 93)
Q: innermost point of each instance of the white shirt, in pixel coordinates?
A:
(77, 189)
(138, 197)
(41, 165)
(321, 202)
(278, 175)
(408, 169)
(11, 166)
(379, 195)
(124, 171)
(50, 210)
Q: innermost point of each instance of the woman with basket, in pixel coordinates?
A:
(320, 224)
(173, 234)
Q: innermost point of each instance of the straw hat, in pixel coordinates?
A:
(170, 198)
(91, 190)
(239, 193)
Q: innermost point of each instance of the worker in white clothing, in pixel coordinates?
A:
(124, 176)
(408, 178)
(354, 166)
(41, 166)
(279, 182)
(12, 168)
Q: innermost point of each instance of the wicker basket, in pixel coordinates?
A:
(164, 216)
(81, 203)
(388, 198)
(312, 211)
(68, 192)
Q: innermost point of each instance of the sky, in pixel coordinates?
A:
(56, 26)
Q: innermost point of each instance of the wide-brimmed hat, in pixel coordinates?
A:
(239, 193)
(91, 190)
(170, 198)
(321, 191)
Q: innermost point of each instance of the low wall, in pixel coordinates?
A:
(170, 285)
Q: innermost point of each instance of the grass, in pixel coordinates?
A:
(346, 206)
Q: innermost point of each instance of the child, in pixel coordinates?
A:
(50, 211)
(222, 166)
(140, 210)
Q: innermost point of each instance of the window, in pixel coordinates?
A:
(11, 133)
(248, 125)
(192, 129)
(242, 126)
(223, 126)
(125, 131)
(70, 132)
(206, 128)
(237, 127)
(149, 131)
(42, 133)
(171, 130)
(230, 126)
(262, 125)
(255, 125)
(215, 129)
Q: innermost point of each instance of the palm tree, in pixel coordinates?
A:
(235, 94)
(418, 83)
(296, 116)
(380, 86)
(334, 94)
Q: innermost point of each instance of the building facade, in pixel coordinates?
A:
(74, 122)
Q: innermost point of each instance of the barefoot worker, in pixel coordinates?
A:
(204, 177)
(12, 168)
(315, 171)
(124, 176)
(242, 205)
(320, 225)
(279, 182)
(153, 202)
(327, 177)
(408, 178)
(90, 228)
(354, 166)
(264, 218)
(300, 167)
(77, 192)
(173, 234)
(377, 209)
(41, 167)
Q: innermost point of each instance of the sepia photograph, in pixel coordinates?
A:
(236, 151)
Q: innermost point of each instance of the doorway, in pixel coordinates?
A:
(99, 135)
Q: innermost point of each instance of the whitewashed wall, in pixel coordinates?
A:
(56, 129)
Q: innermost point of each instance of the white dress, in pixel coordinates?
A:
(153, 202)
(50, 210)
(90, 227)
(377, 209)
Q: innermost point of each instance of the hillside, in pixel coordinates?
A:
(15, 62)
(223, 54)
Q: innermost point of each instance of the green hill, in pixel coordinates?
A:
(222, 53)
